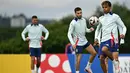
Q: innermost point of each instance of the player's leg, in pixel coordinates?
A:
(106, 63)
(78, 58)
(93, 53)
(116, 62)
(102, 57)
(113, 48)
(38, 56)
(32, 64)
(32, 55)
(102, 63)
(115, 56)
(105, 49)
(79, 50)
(38, 63)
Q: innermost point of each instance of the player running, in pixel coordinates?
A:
(34, 38)
(109, 23)
(77, 31)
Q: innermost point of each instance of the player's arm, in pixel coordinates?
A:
(46, 32)
(97, 32)
(88, 30)
(97, 40)
(70, 31)
(121, 27)
(23, 34)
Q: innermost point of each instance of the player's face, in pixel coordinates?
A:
(79, 14)
(106, 8)
(35, 21)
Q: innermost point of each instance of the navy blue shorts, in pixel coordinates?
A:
(113, 47)
(79, 49)
(35, 52)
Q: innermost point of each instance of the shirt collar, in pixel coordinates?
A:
(76, 19)
(34, 24)
(110, 13)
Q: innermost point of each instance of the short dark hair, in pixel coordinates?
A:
(34, 16)
(77, 9)
(107, 2)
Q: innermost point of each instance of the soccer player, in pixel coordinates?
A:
(77, 31)
(34, 38)
(109, 25)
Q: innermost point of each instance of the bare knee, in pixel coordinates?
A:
(104, 49)
(32, 59)
(94, 53)
(91, 50)
(115, 56)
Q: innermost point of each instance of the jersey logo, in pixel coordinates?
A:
(117, 50)
(110, 13)
(107, 44)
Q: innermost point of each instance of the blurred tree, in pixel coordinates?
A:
(67, 19)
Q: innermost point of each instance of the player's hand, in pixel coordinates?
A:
(96, 42)
(122, 36)
(92, 29)
(41, 43)
(42, 38)
(74, 46)
(27, 39)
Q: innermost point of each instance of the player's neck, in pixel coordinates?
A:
(78, 17)
(108, 13)
(34, 24)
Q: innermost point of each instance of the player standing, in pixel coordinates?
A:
(77, 31)
(34, 38)
(109, 25)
